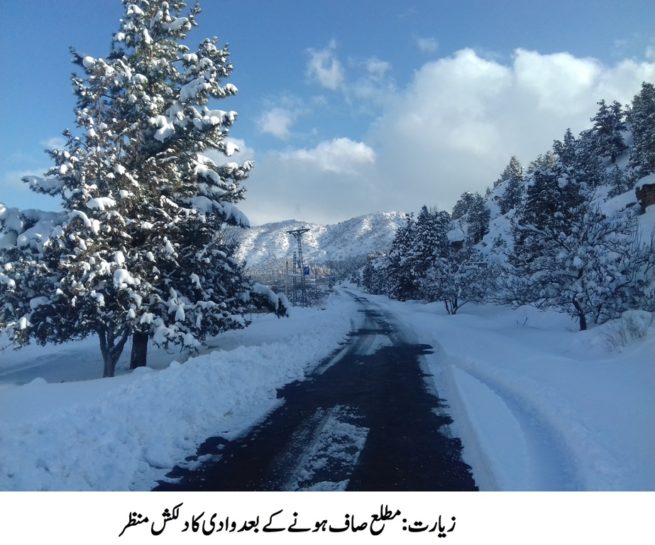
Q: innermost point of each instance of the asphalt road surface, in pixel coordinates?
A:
(364, 420)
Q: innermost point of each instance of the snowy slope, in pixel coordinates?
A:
(351, 238)
(498, 242)
(537, 404)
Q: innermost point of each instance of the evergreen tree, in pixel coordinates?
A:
(594, 270)
(471, 210)
(551, 203)
(374, 274)
(588, 168)
(641, 117)
(565, 150)
(428, 240)
(401, 278)
(551, 200)
(608, 128)
(142, 250)
(512, 181)
(478, 220)
(457, 277)
(463, 205)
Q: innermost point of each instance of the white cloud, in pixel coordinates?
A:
(451, 129)
(560, 82)
(372, 87)
(324, 67)
(460, 119)
(410, 12)
(377, 68)
(650, 53)
(368, 85)
(426, 44)
(276, 122)
(327, 183)
(340, 155)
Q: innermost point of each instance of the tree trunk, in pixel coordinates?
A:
(109, 368)
(139, 354)
(581, 315)
(451, 305)
(111, 349)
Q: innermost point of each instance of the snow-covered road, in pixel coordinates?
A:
(366, 419)
(537, 404)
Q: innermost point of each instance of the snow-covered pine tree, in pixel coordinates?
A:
(568, 255)
(141, 250)
(566, 152)
(402, 283)
(608, 130)
(580, 161)
(594, 270)
(26, 275)
(588, 167)
(462, 206)
(551, 198)
(471, 210)
(369, 277)
(512, 181)
(551, 202)
(374, 274)
(641, 118)
(428, 240)
(459, 275)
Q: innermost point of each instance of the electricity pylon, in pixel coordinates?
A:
(297, 234)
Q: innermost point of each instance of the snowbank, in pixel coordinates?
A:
(539, 405)
(126, 432)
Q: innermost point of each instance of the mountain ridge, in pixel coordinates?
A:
(263, 245)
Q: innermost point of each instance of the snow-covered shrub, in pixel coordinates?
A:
(635, 324)
(632, 326)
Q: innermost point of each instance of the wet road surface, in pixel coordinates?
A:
(364, 420)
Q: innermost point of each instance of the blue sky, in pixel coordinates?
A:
(352, 107)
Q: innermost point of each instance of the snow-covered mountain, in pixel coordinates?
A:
(262, 245)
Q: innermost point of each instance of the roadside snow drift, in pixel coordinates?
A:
(126, 432)
(539, 405)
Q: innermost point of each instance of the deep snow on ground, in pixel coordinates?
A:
(537, 404)
(126, 432)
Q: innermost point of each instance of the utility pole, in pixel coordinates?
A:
(297, 234)
(294, 277)
(286, 281)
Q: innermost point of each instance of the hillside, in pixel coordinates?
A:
(262, 245)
